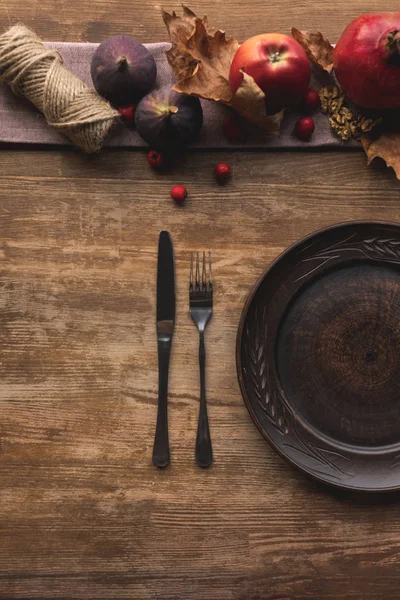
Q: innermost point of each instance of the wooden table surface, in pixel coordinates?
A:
(83, 513)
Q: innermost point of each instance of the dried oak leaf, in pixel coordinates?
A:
(386, 146)
(201, 57)
(318, 49)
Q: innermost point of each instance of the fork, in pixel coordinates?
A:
(201, 309)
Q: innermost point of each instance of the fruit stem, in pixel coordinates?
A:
(393, 46)
(122, 64)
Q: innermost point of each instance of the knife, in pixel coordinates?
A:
(165, 330)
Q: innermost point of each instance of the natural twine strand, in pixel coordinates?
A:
(38, 73)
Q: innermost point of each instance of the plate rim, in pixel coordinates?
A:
(239, 370)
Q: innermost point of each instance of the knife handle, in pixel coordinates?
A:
(161, 457)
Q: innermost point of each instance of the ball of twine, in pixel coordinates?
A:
(38, 74)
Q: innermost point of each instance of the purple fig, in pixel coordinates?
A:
(123, 70)
(168, 120)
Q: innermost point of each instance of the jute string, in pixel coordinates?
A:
(37, 73)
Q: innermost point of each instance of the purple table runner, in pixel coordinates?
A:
(21, 123)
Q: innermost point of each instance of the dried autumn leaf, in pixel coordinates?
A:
(179, 28)
(318, 49)
(201, 57)
(249, 101)
(387, 147)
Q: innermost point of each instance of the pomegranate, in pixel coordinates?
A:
(278, 65)
(367, 60)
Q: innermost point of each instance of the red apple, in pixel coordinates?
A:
(278, 65)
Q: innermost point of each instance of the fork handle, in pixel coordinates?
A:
(204, 453)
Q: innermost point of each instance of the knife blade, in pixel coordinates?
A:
(165, 330)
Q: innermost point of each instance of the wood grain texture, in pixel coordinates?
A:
(83, 513)
(93, 21)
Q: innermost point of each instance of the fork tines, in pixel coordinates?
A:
(197, 283)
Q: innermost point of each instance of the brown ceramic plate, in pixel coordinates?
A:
(318, 355)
